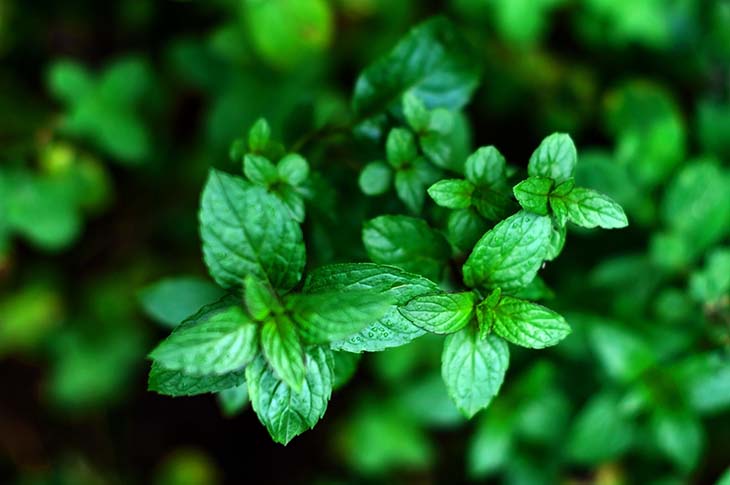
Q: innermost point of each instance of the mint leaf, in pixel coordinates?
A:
(224, 342)
(416, 113)
(259, 298)
(390, 330)
(171, 300)
(431, 62)
(532, 194)
(246, 230)
(400, 148)
(345, 365)
(713, 281)
(442, 313)
(406, 242)
(328, 317)
(293, 169)
(464, 228)
(491, 204)
(486, 167)
(527, 324)
(509, 255)
(410, 189)
(177, 383)
(473, 368)
(283, 350)
(452, 193)
(588, 208)
(260, 170)
(259, 136)
(679, 435)
(557, 241)
(375, 178)
(555, 158)
(284, 412)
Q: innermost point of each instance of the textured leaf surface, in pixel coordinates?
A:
(588, 208)
(406, 242)
(246, 230)
(528, 324)
(284, 412)
(177, 383)
(473, 368)
(509, 255)
(392, 329)
(555, 158)
(442, 313)
(283, 350)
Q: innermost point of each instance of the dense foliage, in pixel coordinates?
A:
(374, 207)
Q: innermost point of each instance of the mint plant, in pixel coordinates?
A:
(281, 327)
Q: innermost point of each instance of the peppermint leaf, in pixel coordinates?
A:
(285, 412)
(442, 313)
(283, 350)
(588, 208)
(555, 158)
(509, 255)
(527, 324)
(246, 230)
(473, 368)
(452, 193)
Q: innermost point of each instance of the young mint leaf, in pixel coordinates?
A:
(333, 316)
(588, 208)
(557, 241)
(486, 167)
(400, 148)
(233, 400)
(406, 242)
(528, 324)
(559, 207)
(464, 228)
(223, 343)
(431, 62)
(293, 169)
(171, 300)
(283, 350)
(259, 170)
(555, 158)
(473, 368)
(259, 136)
(491, 204)
(532, 194)
(246, 230)
(411, 183)
(441, 121)
(284, 412)
(375, 178)
(177, 383)
(416, 113)
(509, 255)
(259, 298)
(452, 193)
(392, 329)
(441, 313)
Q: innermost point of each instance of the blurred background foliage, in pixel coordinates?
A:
(111, 114)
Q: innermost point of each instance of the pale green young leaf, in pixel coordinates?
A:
(293, 169)
(400, 148)
(431, 62)
(528, 324)
(486, 167)
(259, 136)
(259, 170)
(441, 313)
(555, 158)
(283, 350)
(246, 230)
(416, 113)
(336, 315)
(260, 298)
(532, 194)
(392, 329)
(473, 368)
(441, 121)
(452, 193)
(509, 255)
(223, 343)
(406, 242)
(375, 178)
(177, 383)
(284, 412)
(410, 189)
(588, 208)
(560, 210)
(171, 300)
